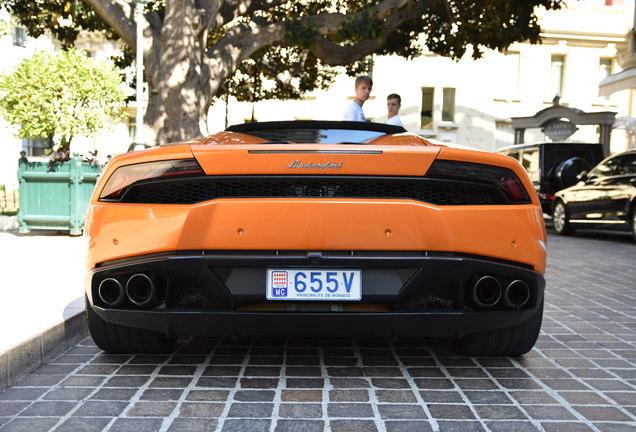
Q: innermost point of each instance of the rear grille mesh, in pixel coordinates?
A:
(199, 189)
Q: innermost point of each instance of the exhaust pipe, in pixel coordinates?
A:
(111, 292)
(142, 291)
(516, 294)
(486, 292)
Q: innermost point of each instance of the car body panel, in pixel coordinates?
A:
(118, 231)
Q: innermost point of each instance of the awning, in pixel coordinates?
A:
(617, 82)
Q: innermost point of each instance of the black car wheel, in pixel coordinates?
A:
(510, 341)
(561, 219)
(114, 338)
(633, 219)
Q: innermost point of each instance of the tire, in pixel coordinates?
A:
(561, 219)
(115, 338)
(633, 219)
(568, 171)
(509, 341)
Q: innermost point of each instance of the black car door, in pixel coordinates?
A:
(591, 200)
(622, 186)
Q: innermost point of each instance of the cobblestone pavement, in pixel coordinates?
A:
(581, 376)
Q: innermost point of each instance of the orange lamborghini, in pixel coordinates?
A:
(315, 228)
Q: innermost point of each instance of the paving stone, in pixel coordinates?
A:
(352, 426)
(301, 395)
(499, 412)
(68, 394)
(300, 411)
(460, 426)
(509, 426)
(254, 395)
(151, 409)
(567, 427)
(25, 424)
(100, 409)
(285, 425)
(11, 408)
(161, 394)
(350, 410)
(48, 409)
(407, 426)
(603, 413)
(250, 410)
(83, 424)
(397, 396)
(441, 396)
(127, 381)
(243, 425)
(401, 411)
(22, 393)
(260, 383)
(348, 396)
(207, 395)
(200, 409)
(487, 397)
(193, 425)
(116, 394)
(136, 425)
(443, 411)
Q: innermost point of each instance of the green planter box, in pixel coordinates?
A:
(55, 195)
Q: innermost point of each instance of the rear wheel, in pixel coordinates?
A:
(509, 341)
(115, 338)
(561, 219)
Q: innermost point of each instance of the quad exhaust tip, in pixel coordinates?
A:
(111, 292)
(486, 292)
(516, 294)
(142, 291)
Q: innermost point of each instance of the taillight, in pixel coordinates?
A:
(502, 178)
(125, 176)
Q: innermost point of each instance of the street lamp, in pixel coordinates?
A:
(138, 143)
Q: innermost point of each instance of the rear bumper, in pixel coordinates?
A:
(390, 324)
(407, 294)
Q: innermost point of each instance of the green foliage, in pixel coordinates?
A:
(61, 95)
(449, 28)
(5, 27)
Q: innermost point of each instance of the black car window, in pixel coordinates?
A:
(626, 164)
(607, 168)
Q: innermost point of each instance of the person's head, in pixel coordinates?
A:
(393, 104)
(364, 84)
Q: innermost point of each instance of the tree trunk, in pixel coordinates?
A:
(181, 95)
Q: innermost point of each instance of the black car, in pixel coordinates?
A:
(553, 166)
(603, 198)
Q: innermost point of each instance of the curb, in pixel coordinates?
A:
(18, 361)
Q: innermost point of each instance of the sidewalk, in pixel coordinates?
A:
(41, 298)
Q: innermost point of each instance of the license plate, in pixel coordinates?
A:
(314, 284)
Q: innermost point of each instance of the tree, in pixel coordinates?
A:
(61, 96)
(193, 48)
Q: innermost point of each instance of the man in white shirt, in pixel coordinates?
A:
(354, 112)
(393, 104)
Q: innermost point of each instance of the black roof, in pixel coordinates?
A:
(316, 124)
